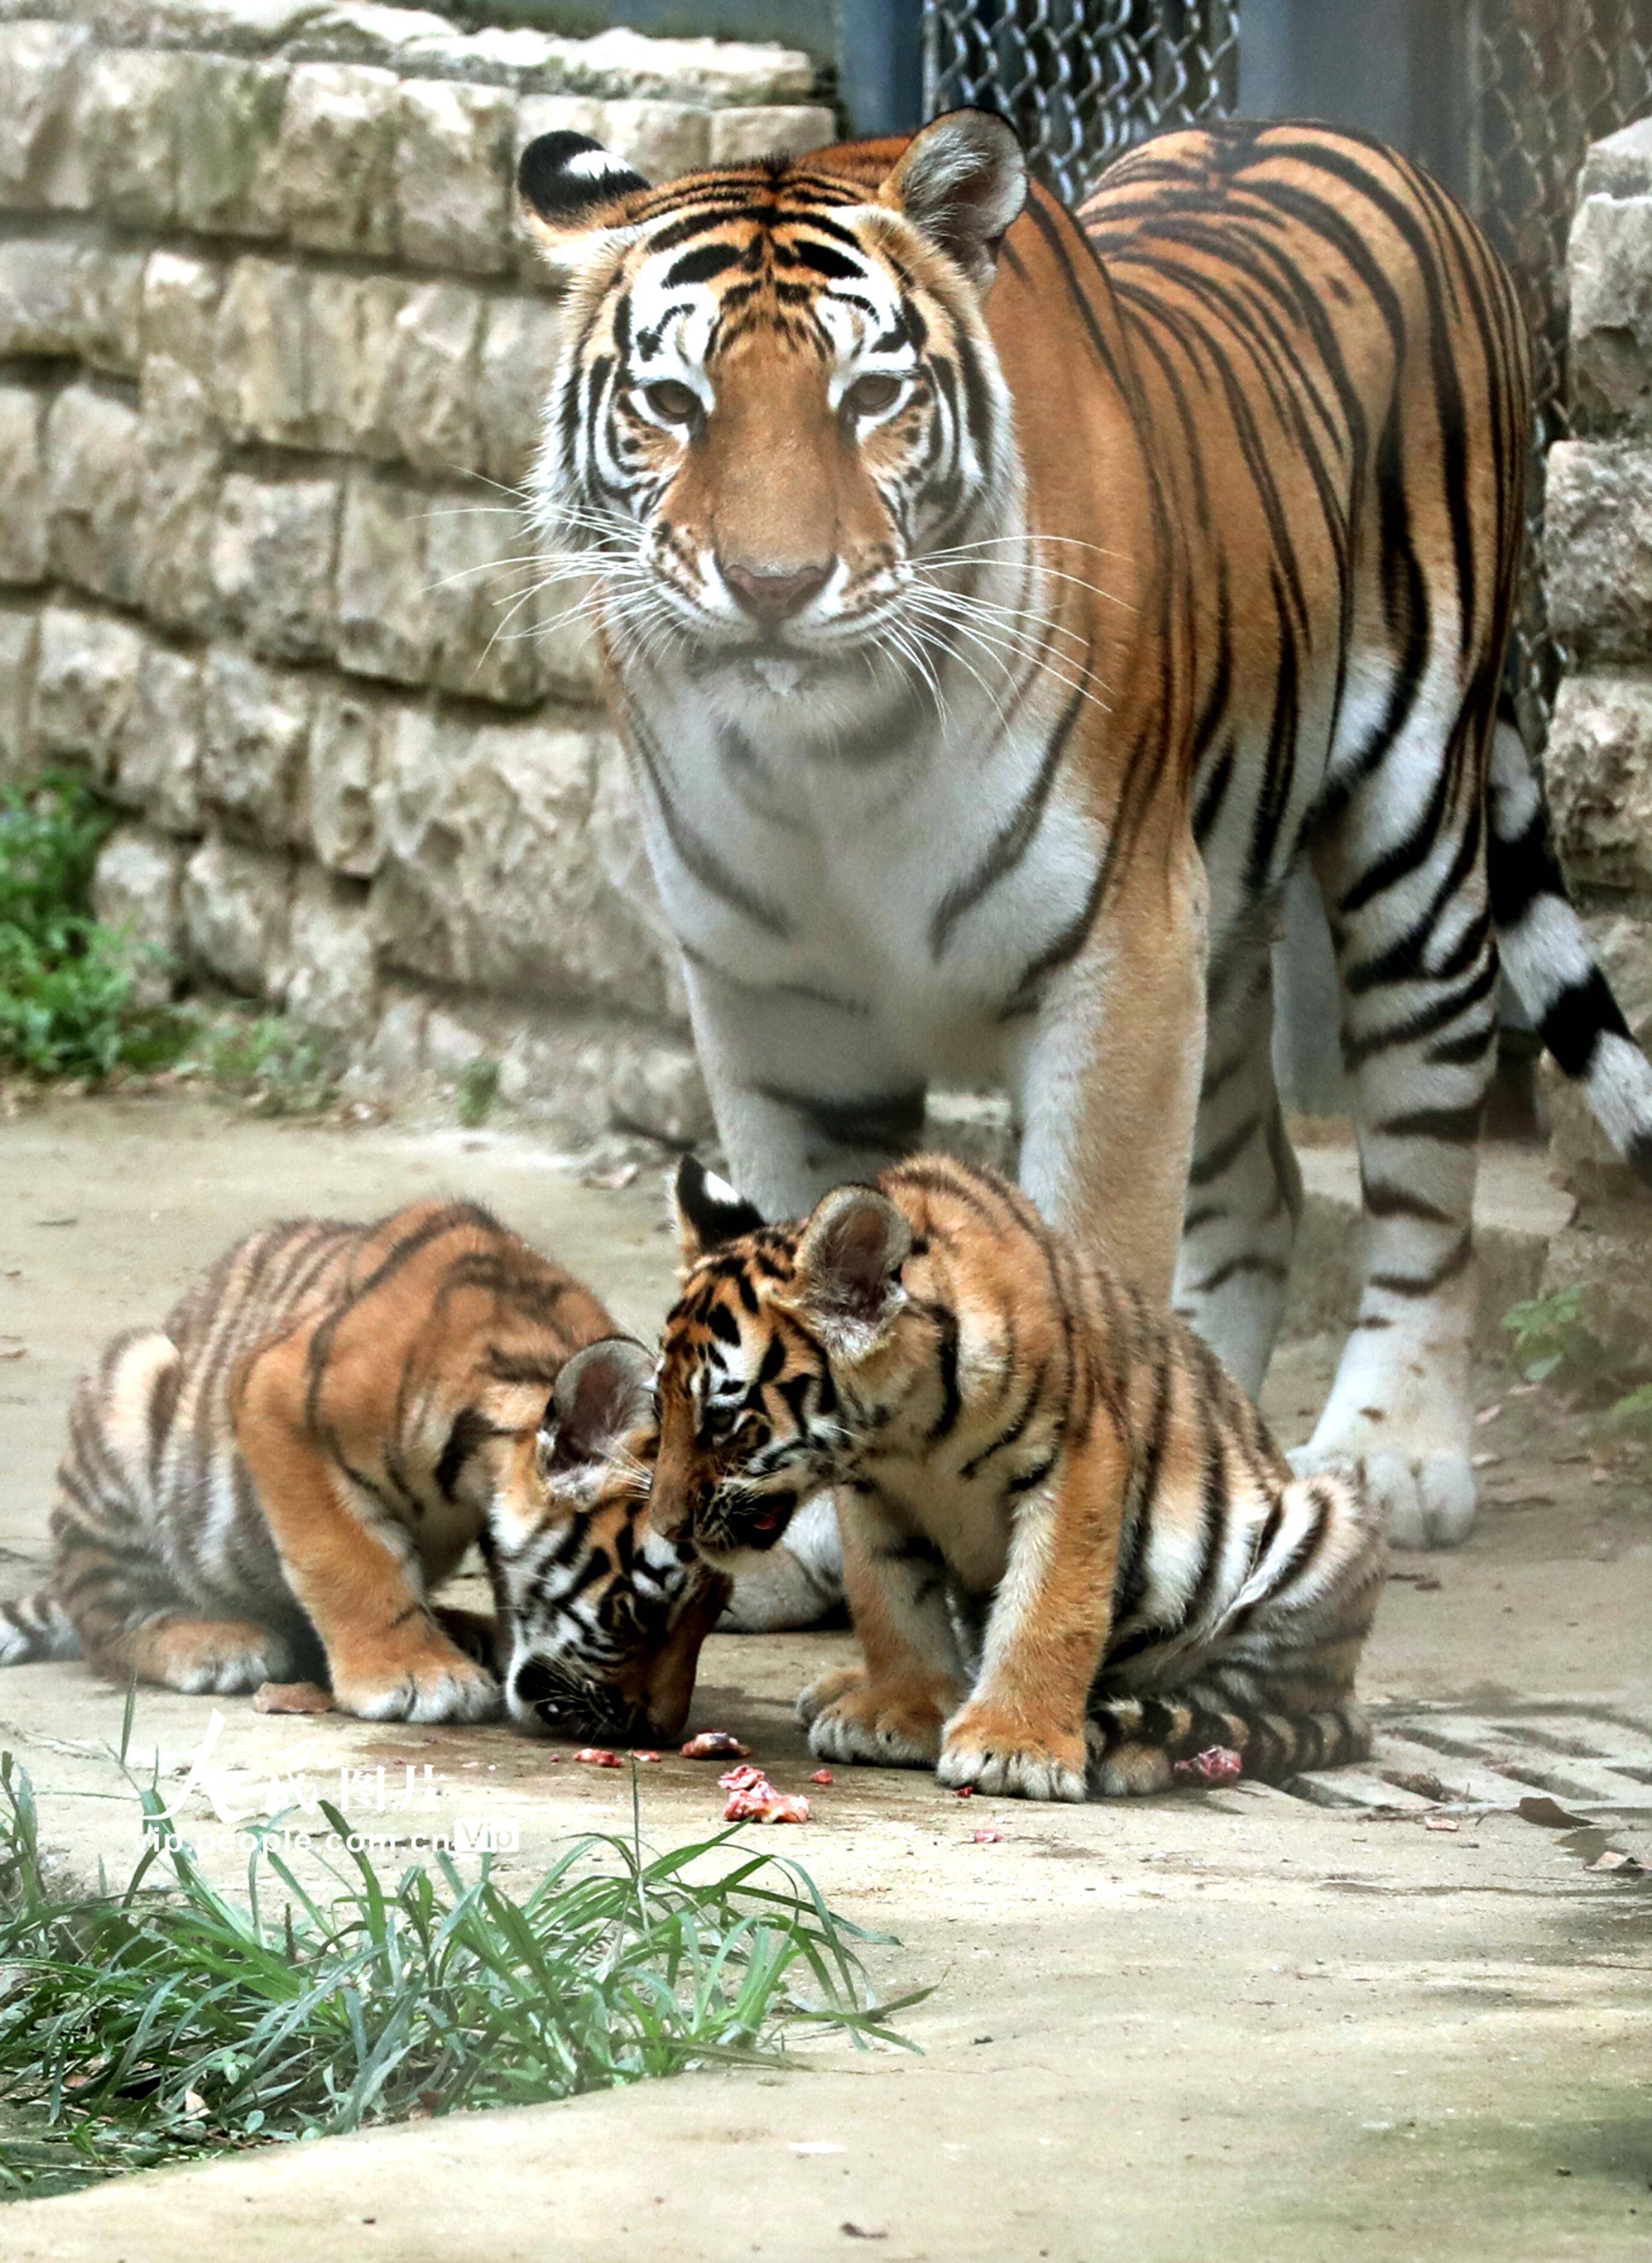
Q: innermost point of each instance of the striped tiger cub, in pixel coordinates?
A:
(271, 1484)
(1072, 1552)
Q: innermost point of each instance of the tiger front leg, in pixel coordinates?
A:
(1021, 1731)
(1105, 1070)
(350, 1566)
(889, 1709)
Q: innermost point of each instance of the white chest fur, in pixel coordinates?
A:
(908, 863)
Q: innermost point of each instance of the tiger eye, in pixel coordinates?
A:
(678, 404)
(870, 396)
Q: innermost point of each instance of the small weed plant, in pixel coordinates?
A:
(1553, 1340)
(478, 1090)
(144, 2025)
(69, 1001)
(270, 1065)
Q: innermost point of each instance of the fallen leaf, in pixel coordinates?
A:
(194, 2103)
(1550, 1814)
(1425, 1787)
(1441, 1823)
(611, 1182)
(57, 1221)
(864, 2230)
(292, 1697)
(1489, 1413)
(13, 1347)
(1426, 1583)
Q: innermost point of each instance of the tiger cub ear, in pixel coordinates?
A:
(848, 1268)
(710, 1211)
(601, 1394)
(572, 190)
(961, 182)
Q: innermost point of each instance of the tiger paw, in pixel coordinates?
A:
(892, 1725)
(437, 1683)
(988, 1748)
(813, 1701)
(225, 1656)
(1427, 1498)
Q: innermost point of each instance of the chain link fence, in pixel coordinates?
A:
(1545, 79)
(1083, 80)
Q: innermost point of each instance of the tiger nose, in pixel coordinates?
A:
(770, 595)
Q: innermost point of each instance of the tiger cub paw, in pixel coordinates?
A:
(435, 1683)
(892, 1725)
(988, 1748)
(224, 1657)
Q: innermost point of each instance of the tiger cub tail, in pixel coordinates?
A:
(36, 1627)
(1147, 1744)
(1276, 1686)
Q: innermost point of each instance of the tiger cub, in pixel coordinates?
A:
(271, 1484)
(1072, 1550)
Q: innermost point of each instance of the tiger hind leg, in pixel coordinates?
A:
(1402, 866)
(195, 1656)
(1137, 1745)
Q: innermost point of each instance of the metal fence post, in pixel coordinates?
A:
(880, 64)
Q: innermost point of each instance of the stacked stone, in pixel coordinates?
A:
(273, 357)
(1598, 546)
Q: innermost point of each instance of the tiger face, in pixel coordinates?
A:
(778, 416)
(766, 1390)
(600, 1618)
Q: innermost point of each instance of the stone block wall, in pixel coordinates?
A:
(1599, 563)
(272, 353)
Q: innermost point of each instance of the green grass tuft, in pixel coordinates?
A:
(143, 2027)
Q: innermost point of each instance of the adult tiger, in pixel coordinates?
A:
(999, 604)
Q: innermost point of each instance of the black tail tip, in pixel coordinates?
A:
(1640, 1157)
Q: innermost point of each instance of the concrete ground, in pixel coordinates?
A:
(1236, 2023)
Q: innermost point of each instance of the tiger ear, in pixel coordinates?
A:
(848, 1268)
(961, 182)
(601, 1394)
(710, 1211)
(573, 191)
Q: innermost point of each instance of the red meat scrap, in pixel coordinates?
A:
(716, 1745)
(596, 1756)
(1217, 1764)
(752, 1798)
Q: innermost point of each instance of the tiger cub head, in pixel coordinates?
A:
(778, 422)
(601, 1615)
(786, 1347)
